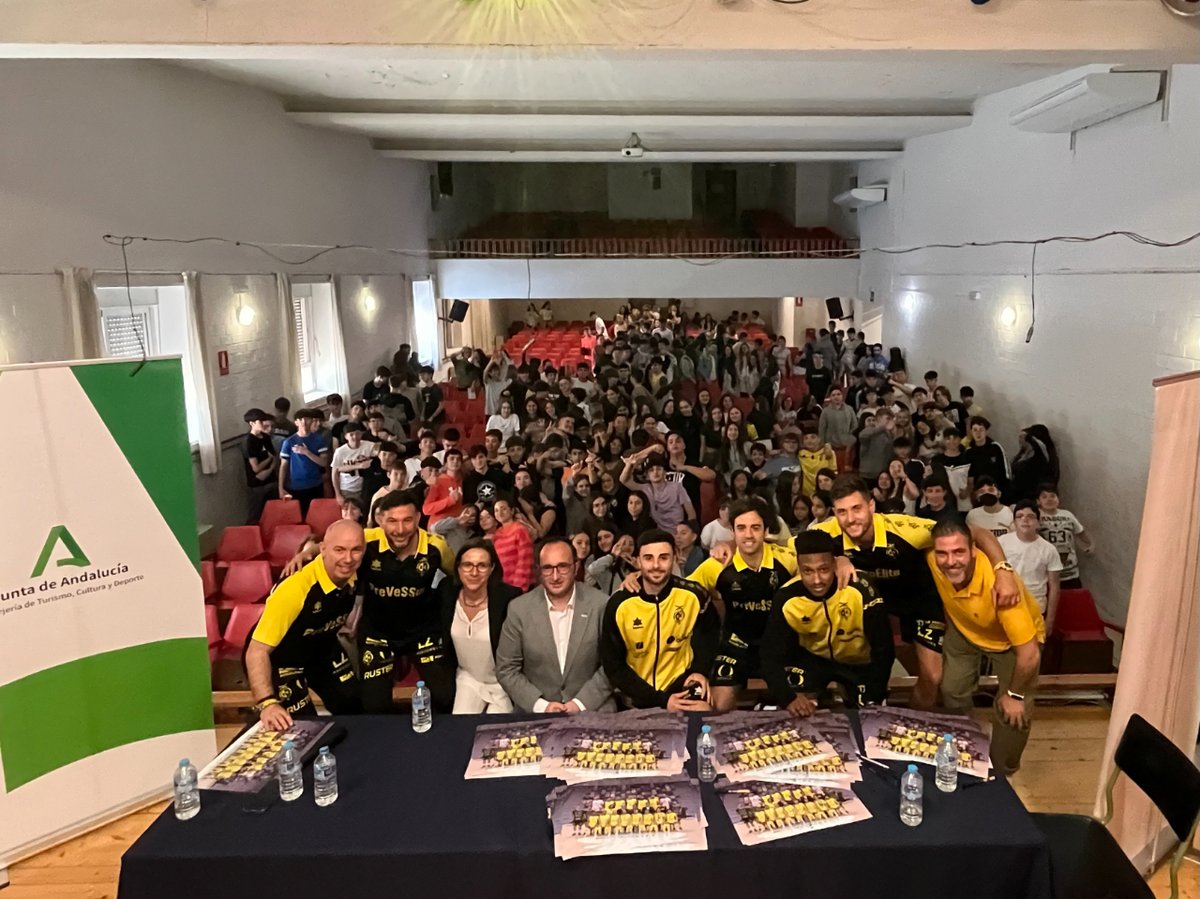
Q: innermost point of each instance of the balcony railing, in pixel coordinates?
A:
(645, 248)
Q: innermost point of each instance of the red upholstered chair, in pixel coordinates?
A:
(286, 541)
(208, 577)
(710, 499)
(277, 512)
(321, 514)
(240, 544)
(214, 633)
(745, 403)
(1079, 644)
(242, 621)
(245, 583)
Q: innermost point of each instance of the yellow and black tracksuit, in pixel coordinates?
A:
(811, 640)
(895, 562)
(650, 644)
(401, 616)
(747, 594)
(300, 624)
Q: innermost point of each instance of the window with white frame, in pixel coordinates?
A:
(150, 321)
(312, 313)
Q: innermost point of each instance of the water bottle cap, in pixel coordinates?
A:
(707, 728)
(420, 683)
(912, 767)
(289, 745)
(949, 738)
(324, 750)
(183, 763)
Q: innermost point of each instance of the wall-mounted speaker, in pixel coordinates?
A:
(834, 306)
(445, 178)
(458, 310)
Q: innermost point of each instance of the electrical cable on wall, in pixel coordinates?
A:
(263, 247)
(129, 297)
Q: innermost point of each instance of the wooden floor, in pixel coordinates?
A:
(1059, 774)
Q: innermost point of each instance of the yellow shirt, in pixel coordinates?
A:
(813, 461)
(975, 615)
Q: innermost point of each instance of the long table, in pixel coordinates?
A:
(406, 823)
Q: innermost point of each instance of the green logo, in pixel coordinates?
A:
(60, 534)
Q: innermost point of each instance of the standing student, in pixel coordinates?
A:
(1062, 530)
(349, 461)
(954, 462)
(432, 409)
(260, 461)
(991, 514)
(1036, 561)
(986, 456)
(303, 459)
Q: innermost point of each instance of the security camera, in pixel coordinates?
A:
(633, 148)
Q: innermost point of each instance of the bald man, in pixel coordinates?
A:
(295, 647)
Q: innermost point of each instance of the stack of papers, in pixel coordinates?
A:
(912, 736)
(762, 811)
(628, 815)
(603, 746)
(512, 749)
(754, 745)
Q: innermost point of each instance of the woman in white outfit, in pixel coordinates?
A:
(474, 602)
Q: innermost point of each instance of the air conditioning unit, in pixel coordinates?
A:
(1088, 101)
(859, 197)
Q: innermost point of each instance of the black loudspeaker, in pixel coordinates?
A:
(458, 310)
(445, 178)
(834, 307)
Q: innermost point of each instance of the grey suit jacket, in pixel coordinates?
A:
(527, 660)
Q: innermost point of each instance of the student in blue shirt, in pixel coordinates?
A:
(303, 459)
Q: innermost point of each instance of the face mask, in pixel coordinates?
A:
(989, 499)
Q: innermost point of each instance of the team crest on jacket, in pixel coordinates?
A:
(422, 566)
(679, 614)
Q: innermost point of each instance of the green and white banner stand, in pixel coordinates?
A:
(104, 672)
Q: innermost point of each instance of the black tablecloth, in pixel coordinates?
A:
(406, 823)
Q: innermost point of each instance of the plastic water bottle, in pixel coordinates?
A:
(947, 765)
(325, 789)
(912, 787)
(187, 795)
(706, 755)
(422, 714)
(291, 773)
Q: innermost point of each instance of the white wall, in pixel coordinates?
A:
(552, 279)
(89, 148)
(1111, 316)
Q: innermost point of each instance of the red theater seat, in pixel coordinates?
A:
(277, 512)
(242, 621)
(285, 543)
(321, 514)
(240, 544)
(245, 583)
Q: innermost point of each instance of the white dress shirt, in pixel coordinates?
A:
(560, 626)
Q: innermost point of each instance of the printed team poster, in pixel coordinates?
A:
(620, 817)
(252, 761)
(511, 749)
(840, 769)
(765, 811)
(914, 736)
(598, 749)
(754, 745)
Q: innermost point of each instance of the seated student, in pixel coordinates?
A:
(1010, 638)
(295, 646)
(658, 640)
(817, 633)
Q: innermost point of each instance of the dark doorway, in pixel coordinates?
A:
(720, 198)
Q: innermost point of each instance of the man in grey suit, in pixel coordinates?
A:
(548, 657)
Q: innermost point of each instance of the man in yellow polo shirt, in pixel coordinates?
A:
(1010, 637)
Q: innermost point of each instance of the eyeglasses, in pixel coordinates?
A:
(562, 570)
(475, 566)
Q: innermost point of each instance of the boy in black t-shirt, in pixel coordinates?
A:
(260, 461)
(431, 397)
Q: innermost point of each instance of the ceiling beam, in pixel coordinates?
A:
(450, 154)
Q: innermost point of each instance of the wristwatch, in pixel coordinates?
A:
(1016, 696)
(1003, 566)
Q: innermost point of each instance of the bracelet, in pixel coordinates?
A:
(266, 703)
(1016, 696)
(1003, 566)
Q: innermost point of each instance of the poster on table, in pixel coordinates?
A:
(620, 817)
(840, 769)
(763, 811)
(509, 749)
(104, 672)
(251, 762)
(613, 746)
(756, 744)
(912, 736)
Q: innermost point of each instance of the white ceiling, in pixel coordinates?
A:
(487, 102)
